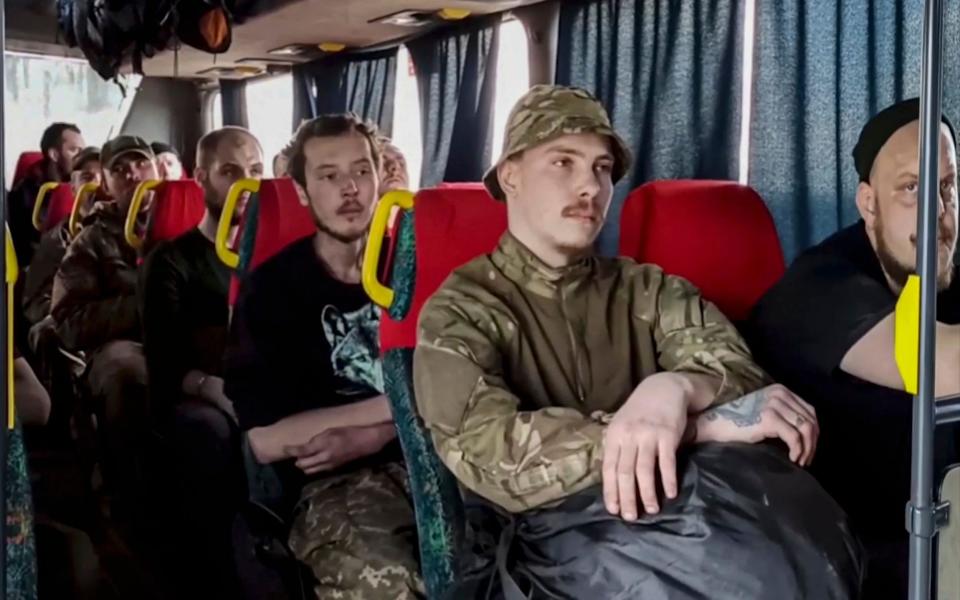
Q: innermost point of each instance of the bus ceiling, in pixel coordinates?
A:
(270, 36)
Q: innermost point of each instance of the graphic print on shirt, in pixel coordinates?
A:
(354, 351)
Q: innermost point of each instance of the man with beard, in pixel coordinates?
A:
(60, 144)
(184, 291)
(827, 331)
(304, 372)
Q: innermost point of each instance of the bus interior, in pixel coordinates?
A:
(741, 115)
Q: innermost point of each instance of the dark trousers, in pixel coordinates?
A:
(207, 487)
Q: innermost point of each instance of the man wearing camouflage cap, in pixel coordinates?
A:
(545, 373)
(95, 310)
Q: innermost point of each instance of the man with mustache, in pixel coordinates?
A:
(827, 330)
(303, 370)
(184, 307)
(559, 386)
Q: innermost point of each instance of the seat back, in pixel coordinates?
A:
(27, 162)
(178, 207)
(273, 219)
(453, 224)
(717, 234)
(53, 205)
(448, 227)
(948, 539)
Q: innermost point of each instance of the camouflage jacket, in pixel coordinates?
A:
(94, 291)
(519, 366)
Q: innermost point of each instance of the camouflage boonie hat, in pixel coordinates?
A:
(547, 112)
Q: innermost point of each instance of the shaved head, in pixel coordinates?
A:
(232, 136)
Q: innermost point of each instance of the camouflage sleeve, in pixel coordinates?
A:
(516, 459)
(692, 335)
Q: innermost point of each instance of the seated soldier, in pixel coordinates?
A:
(94, 306)
(184, 298)
(169, 165)
(53, 244)
(827, 329)
(280, 163)
(393, 171)
(54, 369)
(543, 371)
(60, 143)
(304, 373)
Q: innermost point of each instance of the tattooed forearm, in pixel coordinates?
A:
(742, 412)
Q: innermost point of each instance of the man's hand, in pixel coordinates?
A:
(643, 435)
(773, 412)
(335, 447)
(211, 390)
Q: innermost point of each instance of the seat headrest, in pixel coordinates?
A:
(273, 220)
(26, 163)
(178, 207)
(717, 234)
(281, 220)
(453, 224)
(58, 208)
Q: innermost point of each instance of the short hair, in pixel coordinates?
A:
(332, 125)
(53, 136)
(207, 146)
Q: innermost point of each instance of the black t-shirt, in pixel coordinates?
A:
(183, 300)
(800, 331)
(300, 340)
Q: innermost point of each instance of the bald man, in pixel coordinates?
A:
(184, 306)
(827, 331)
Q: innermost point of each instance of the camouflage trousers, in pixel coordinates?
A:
(357, 533)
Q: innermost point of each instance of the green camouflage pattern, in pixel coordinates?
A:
(547, 112)
(519, 366)
(357, 534)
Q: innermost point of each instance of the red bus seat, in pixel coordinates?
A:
(178, 207)
(55, 207)
(449, 226)
(719, 235)
(28, 161)
(273, 219)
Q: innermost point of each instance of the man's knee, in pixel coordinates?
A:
(358, 536)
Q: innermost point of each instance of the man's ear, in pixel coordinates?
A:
(867, 203)
(199, 173)
(53, 154)
(302, 194)
(508, 174)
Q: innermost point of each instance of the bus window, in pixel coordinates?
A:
(513, 78)
(41, 90)
(407, 134)
(270, 113)
(217, 111)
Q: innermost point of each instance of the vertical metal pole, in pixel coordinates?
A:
(4, 455)
(921, 512)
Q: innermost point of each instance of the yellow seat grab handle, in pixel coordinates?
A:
(42, 194)
(907, 335)
(380, 294)
(73, 225)
(130, 225)
(11, 279)
(222, 242)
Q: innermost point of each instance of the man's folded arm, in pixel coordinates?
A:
(517, 459)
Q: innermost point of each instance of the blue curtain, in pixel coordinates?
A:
(822, 68)
(360, 83)
(669, 73)
(233, 101)
(456, 75)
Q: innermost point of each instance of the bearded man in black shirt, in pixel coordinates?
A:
(184, 298)
(826, 330)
